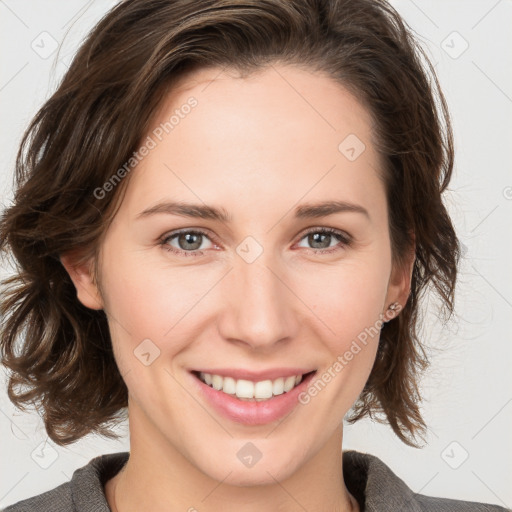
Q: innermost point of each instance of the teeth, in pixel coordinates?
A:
(248, 390)
(289, 383)
(217, 382)
(229, 386)
(278, 386)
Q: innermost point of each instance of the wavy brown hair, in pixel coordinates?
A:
(57, 351)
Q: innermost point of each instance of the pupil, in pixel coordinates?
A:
(188, 238)
(314, 239)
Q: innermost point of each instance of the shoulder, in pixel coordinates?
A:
(57, 499)
(83, 493)
(429, 503)
(378, 488)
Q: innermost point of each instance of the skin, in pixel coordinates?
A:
(258, 147)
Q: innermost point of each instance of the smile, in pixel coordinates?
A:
(250, 402)
(248, 390)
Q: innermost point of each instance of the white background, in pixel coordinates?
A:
(468, 390)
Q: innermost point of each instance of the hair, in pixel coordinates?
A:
(58, 351)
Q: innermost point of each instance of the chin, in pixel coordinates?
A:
(263, 472)
(250, 477)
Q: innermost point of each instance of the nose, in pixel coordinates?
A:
(259, 308)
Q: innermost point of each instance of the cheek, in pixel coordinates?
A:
(153, 308)
(349, 298)
(349, 306)
(147, 297)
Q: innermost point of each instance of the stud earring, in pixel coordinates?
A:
(390, 313)
(394, 306)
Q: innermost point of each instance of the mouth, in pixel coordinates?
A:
(252, 390)
(251, 402)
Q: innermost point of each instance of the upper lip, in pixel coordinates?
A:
(240, 373)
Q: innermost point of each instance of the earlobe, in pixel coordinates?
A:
(81, 274)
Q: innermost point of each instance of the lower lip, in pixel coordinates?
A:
(252, 413)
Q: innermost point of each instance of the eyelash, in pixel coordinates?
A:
(345, 239)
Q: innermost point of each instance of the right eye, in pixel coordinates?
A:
(189, 242)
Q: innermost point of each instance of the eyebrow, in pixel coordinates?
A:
(203, 211)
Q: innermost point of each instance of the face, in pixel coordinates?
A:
(275, 285)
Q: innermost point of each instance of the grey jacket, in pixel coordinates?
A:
(368, 479)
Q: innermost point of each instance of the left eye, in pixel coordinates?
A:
(319, 237)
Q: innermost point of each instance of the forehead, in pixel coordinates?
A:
(276, 98)
(250, 139)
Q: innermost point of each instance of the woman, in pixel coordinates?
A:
(224, 220)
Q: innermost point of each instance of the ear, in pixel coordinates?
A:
(399, 286)
(81, 273)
